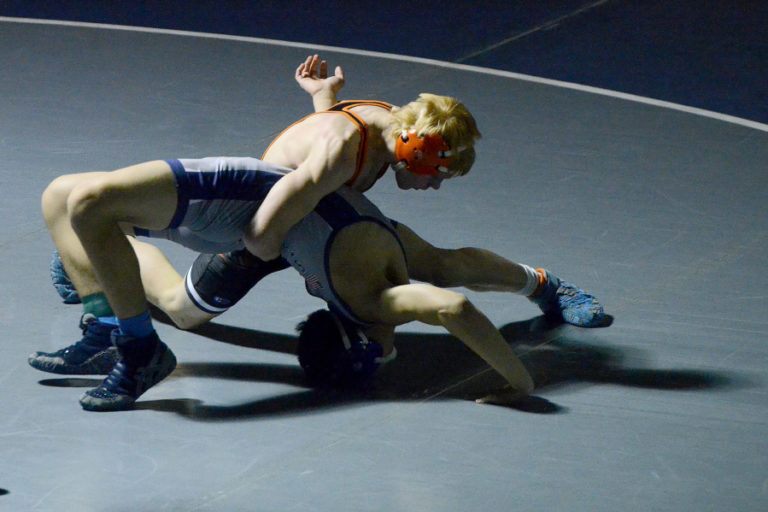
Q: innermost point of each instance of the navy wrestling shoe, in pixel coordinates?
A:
(562, 301)
(94, 354)
(61, 282)
(143, 363)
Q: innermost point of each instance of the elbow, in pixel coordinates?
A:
(456, 307)
(262, 246)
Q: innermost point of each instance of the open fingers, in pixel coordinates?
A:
(305, 69)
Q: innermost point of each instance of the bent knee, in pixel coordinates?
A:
(183, 312)
(86, 203)
(187, 322)
(55, 196)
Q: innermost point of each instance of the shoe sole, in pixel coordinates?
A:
(100, 363)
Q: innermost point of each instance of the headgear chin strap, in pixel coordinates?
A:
(429, 155)
(361, 356)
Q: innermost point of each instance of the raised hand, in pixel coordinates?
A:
(312, 76)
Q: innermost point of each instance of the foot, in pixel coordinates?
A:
(143, 363)
(61, 282)
(94, 354)
(563, 301)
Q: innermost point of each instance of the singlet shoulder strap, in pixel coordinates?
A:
(348, 104)
(344, 108)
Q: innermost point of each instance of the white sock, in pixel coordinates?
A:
(531, 281)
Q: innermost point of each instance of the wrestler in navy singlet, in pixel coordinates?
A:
(218, 197)
(308, 244)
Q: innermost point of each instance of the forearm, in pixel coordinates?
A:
(286, 204)
(323, 100)
(479, 334)
(436, 306)
(326, 168)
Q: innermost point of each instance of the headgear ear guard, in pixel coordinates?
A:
(429, 155)
(333, 351)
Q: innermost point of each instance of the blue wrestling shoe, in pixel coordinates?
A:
(143, 363)
(563, 301)
(94, 354)
(61, 282)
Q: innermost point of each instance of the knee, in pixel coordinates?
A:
(177, 305)
(54, 198)
(85, 204)
(187, 324)
(186, 319)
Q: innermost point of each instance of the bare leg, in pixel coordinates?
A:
(163, 285)
(143, 195)
(87, 229)
(71, 252)
(165, 288)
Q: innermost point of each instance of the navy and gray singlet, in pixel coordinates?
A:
(218, 197)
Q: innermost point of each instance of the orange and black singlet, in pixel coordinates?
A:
(345, 108)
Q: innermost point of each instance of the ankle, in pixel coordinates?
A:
(139, 326)
(542, 276)
(136, 351)
(97, 305)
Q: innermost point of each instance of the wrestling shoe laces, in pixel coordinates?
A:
(564, 301)
(94, 354)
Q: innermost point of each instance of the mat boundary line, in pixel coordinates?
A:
(406, 58)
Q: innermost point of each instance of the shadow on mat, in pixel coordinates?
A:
(428, 367)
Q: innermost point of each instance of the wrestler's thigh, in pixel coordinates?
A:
(142, 195)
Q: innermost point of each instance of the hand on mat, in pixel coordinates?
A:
(504, 396)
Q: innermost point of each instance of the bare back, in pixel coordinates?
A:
(364, 260)
(293, 146)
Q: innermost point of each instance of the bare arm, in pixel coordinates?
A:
(312, 76)
(473, 268)
(330, 164)
(435, 306)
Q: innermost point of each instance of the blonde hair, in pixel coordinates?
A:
(432, 114)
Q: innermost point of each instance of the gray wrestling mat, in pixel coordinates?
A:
(659, 212)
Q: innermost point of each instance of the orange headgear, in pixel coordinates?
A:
(428, 155)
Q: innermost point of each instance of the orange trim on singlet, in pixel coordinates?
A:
(344, 108)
